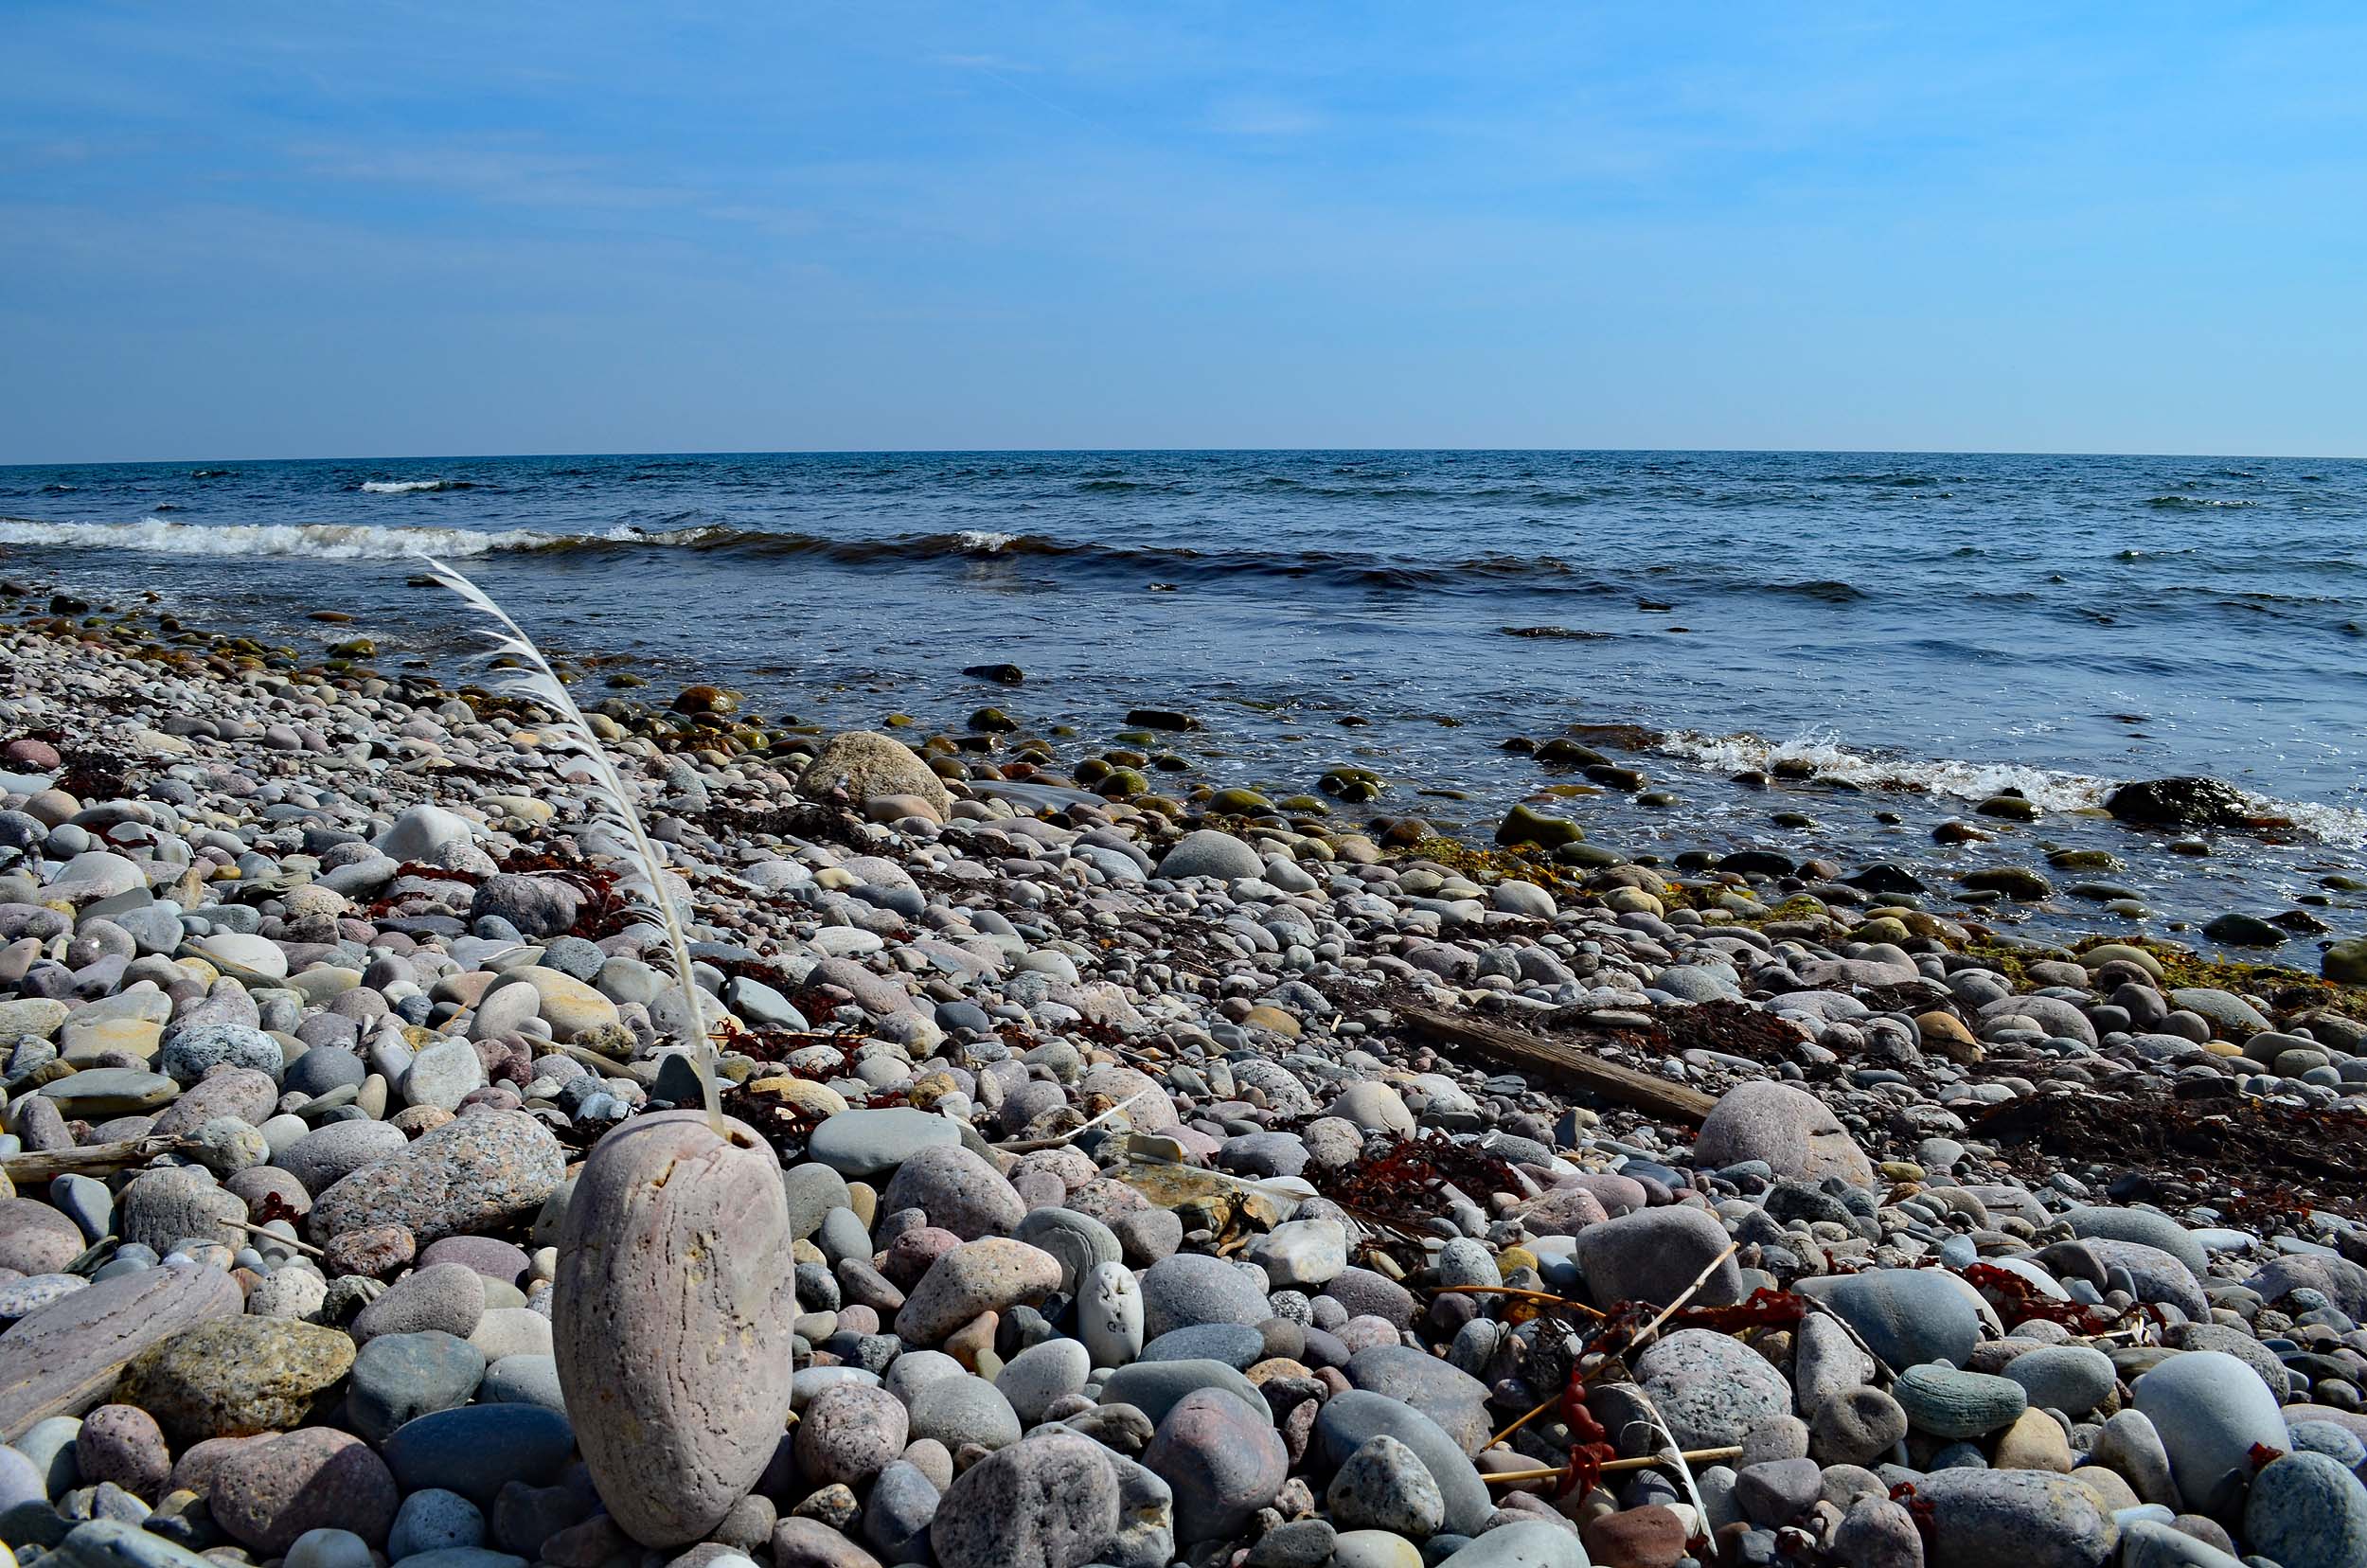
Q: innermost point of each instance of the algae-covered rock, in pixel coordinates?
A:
(672, 1319)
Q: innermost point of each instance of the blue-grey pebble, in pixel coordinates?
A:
(477, 1450)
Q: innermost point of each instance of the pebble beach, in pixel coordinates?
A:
(1184, 1178)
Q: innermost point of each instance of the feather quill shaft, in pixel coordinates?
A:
(611, 797)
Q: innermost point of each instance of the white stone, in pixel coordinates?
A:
(1110, 1309)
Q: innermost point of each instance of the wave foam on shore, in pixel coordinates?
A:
(316, 541)
(2048, 789)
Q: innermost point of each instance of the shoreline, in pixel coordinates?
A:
(1157, 1027)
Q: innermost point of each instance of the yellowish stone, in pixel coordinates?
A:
(818, 1098)
(2034, 1442)
(1265, 1017)
(82, 1042)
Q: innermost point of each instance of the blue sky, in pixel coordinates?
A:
(272, 229)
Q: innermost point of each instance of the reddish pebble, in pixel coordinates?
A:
(373, 1250)
(1648, 1536)
(123, 1444)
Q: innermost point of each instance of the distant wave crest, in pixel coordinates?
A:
(412, 486)
(1174, 564)
(317, 541)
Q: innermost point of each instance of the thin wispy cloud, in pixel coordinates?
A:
(1249, 117)
(1162, 225)
(983, 62)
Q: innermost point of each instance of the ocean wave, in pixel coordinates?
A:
(1828, 590)
(2052, 790)
(211, 474)
(2198, 503)
(411, 487)
(2055, 792)
(1169, 562)
(58, 488)
(317, 541)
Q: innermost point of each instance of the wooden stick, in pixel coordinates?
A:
(1708, 1456)
(1698, 1280)
(45, 1165)
(1660, 1098)
(1028, 1146)
(1683, 1296)
(282, 1241)
(1524, 1420)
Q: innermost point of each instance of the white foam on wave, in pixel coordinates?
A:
(2050, 790)
(984, 540)
(2344, 827)
(399, 487)
(318, 540)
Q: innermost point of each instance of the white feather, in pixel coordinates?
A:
(642, 878)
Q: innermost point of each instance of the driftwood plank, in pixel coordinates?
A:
(41, 1167)
(1544, 1055)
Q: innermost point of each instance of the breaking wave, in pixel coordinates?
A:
(411, 487)
(316, 541)
(2047, 788)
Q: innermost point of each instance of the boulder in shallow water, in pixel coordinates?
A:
(2186, 802)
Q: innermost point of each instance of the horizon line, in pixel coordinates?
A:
(1193, 450)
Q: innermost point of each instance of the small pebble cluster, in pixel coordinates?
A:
(1088, 1121)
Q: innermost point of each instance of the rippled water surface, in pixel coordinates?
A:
(1953, 623)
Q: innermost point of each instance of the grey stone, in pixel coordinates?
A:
(1049, 1502)
(1906, 1317)
(2016, 1519)
(2210, 1410)
(1790, 1129)
(1194, 1287)
(1524, 1544)
(1710, 1388)
(397, 1378)
(1385, 1486)
(1042, 1372)
(114, 1544)
(1153, 1387)
(955, 1411)
(473, 1174)
(863, 1143)
(1209, 853)
(2306, 1512)
(190, 1049)
(1348, 1421)
(2130, 1224)
(1653, 1254)
(477, 1450)
(1952, 1404)
(2073, 1379)
(449, 1297)
(1454, 1398)
(327, 1155)
(1081, 1242)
